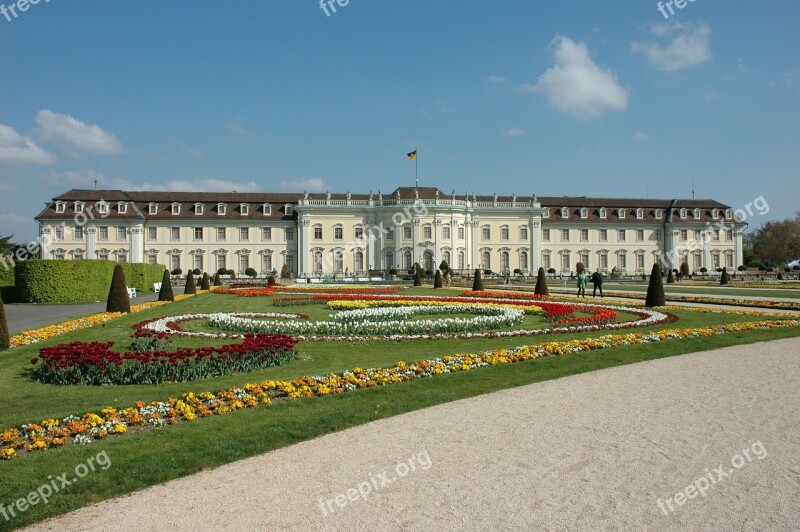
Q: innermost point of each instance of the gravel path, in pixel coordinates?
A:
(587, 452)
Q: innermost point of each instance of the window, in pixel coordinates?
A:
(657, 234)
(446, 257)
(640, 261)
(639, 213)
(728, 214)
(622, 261)
(152, 258)
(59, 233)
(504, 233)
(460, 263)
(244, 234)
(198, 261)
(122, 257)
(122, 234)
(546, 261)
(523, 233)
(358, 261)
(446, 232)
(697, 214)
(461, 232)
(222, 263)
(523, 260)
(222, 209)
(77, 233)
(78, 206)
(603, 235)
(175, 233)
(198, 209)
(289, 261)
(338, 233)
(546, 235)
(407, 260)
(486, 233)
(244, 209)
(584, 212)
(486, 260)
(683, 213)
(584, 235)
(585, 260)
(222, 234)
(102, 207)
(407, 232)
(152, 233)
(266, 263)
(729, 235)
(358, 232)
(729, 260)
(427, 232)
(267, 209)
(244, 262)
(603, 261)
(389, 260)
(338, 261)
(657, 214)
(317, 232)
(122, 207)
(289, 235)
(504, 262)
(546, 213)
(603, 212)
(564, 212)
(715, 235)
(152, 208)
(60, 207)
(390, 233)
(176, 208)
(715, 213)
(565, 235)
(684, 235)
(697, 235)
(175, 262)
(621, 213)
(565, 262)
(102, 233)
(288, 210)
(621, 235)
(266, 235)
(640, 235)
(198, 233)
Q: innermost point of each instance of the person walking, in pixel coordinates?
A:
(581, 283)
(597, 281)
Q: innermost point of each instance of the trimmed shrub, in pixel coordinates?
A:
(5, 340)
(177, 271)
(724, 279)
(393, 271)
(190, 287)
(251, 272)
(477, 283)
(541, 284)
(780, 276)
(444, 266)
(417, 274)
(703, 270)
(118, 300)
(231, 273)
(517, 271)
(205, 284)
(671, 277)
(217, 281)
(197, 272)
(685, 270)
(271, 281)
(286, 273)
(655, 290)
(438, 282)
(166, 293)
(551, 271)
(222, 271)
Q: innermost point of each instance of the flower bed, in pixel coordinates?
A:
(51, 433)
(161, 327)
(94, 363)
(280, 289)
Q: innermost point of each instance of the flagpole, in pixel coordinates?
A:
(416, 167)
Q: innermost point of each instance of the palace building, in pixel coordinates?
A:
(322, 234)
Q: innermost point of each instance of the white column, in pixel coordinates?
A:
(137, 244)
(437, 240)
(91, 239)
(415, 240)
(707, 249)
(535, 253)
(468, 241)
(474, 229)
(738, 257)
(46, 240)
(303, 259)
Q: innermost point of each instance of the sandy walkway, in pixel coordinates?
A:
(593, 451)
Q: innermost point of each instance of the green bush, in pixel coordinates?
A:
(5, 341)
(724, 279)
(286, 273)
(417, 274)
(166, 293)
(190, 287)
(72, 281)
(670, 277)
(205, 284)
(271, 280)
(217, 280)
(541, 284)
(118, 300)
(655, 290)
(438, 282)
(251, 272)
(477, 283)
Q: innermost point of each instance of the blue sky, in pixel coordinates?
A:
(553, 98)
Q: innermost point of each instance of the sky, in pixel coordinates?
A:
(582, 98)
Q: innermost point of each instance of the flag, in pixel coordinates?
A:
(412, 156)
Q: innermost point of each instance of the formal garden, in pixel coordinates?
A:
(171, 387)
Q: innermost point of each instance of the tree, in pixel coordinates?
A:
(541, 284)
(724, 279)
(286, 273)
(443, 266)
(271, 280)
(742, 268)
(190, 287)
(177, 271)
(231, 273)
(166, 294)
(5, 340)
(197, 272)
(438, 282)
(777, 241)
(251, 272)
(217, 280)
(223, 271)
(671, 276)
(703, 270)
(118, 300)
(551, 271)
(655, 290)
(205, 284)
(477, 283)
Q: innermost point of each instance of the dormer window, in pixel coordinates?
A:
(546, 213)
(152, 208)
(244, 209)
(564, 212)
(102, 207)
(658, 214)
(198, 209)
(122, 207)
(697, 214)
(640, 213)
(728, 214)
(715, 213)
(221, 209)
(584, 212)
(267, 209)
(79, 206)
(176, 208)
(621, 213)
(61, 207)
(683, 214)
(288, 209)
(603, 212)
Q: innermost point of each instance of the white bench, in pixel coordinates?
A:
(131, 292)
(157, 288)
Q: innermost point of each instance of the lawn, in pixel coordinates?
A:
(152, 456)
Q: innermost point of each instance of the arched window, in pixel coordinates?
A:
(460, 261)
(338, 261)
(446, 257)
(427, 261)
(389, 260)
(486, 260)
(317, 262)
(358, 261)
(504, 263)
(523, 260)
(407, 260)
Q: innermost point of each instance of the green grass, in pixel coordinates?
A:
(719, 291)
(154, 456)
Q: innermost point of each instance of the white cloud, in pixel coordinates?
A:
(691, 47)
(16, 149)
(239, 128)
(512, 132)
(197, 154)
(497, 79)
(201, 185)
(575, 84)
(8, 187)
(311, 184)
(89, 138)
(641, 136)
(22, 227)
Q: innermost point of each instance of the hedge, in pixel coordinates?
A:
(7, 290)
(71, 281)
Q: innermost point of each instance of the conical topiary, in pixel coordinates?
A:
(217, 281)
(166, 293)
(271, 281)
(541, 284)
(5, 341)
(190, 287)
(438, 282)
(118, 300)
(205, 284)
(724, 279)
(417, 275)
(670, 277)
(655, 290)
(477, 283)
